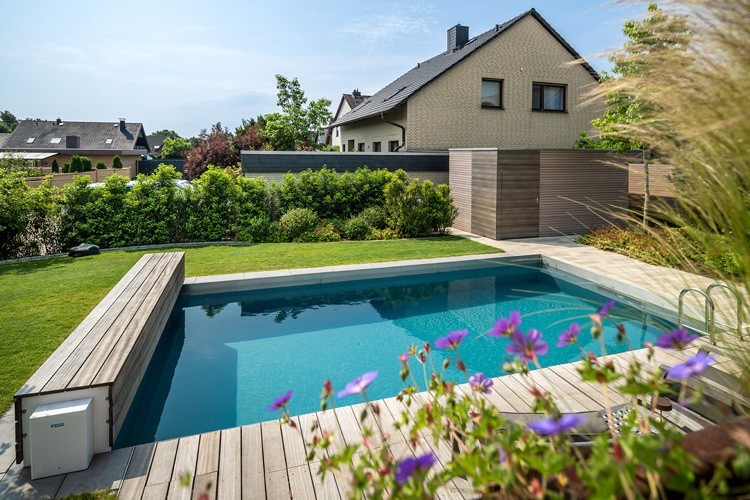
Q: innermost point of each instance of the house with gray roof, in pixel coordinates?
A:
(99, 141)
(517, 85)
(348, 102)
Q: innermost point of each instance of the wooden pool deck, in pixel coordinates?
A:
(269, 461)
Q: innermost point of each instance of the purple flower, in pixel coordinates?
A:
(506, 326)
(451, 340)
(358, 385)
(555, 426)
(409, 466)
(479, 383)
(281, 401)
(527, 347)
(569, 336)
(676, 339)
(693, 366)
(604, 311)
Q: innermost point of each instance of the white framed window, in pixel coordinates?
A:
(108, 141)
(492, 93)
(30, 140)
(55, 140)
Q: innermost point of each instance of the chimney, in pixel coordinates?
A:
(457, 37)
(122, 124)
(58, 122)
(72, 141)
(356, 93)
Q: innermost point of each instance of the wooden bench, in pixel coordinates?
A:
(107, 354)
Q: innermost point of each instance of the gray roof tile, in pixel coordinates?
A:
(93, 135)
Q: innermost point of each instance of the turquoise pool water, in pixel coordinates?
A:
(223, 358)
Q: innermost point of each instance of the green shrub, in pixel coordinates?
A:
(296, 222)
(258, 229)
(66, 168)
(331, 195)
(76, 165)
(156, 207)
(55, 167)
(326, 233)
(356, 228)
(418, 208)
(100, 165)
(212, 205)
(116, 162)
(85, 164)
(376, 217)
(384, 234)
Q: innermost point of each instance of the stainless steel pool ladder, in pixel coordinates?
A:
(710, 319)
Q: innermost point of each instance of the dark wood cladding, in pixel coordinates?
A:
(659, 180)
(518, 194)
(580, 190)
(459, 179)
(484, 193)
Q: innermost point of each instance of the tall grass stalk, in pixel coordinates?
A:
(700, 124)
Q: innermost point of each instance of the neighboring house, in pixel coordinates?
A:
(3, 139)
(155, 142)
(348, 102)
(518, 85)
(99, 141)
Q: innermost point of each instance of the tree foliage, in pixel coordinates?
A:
(175, 147)
(169, 134)
(659, 34)
(298, 124)
(214, 148)
(8, 122)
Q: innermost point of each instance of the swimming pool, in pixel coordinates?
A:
(223, 358)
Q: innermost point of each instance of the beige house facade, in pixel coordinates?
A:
(518, 85)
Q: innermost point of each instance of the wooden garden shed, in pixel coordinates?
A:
(514, 193)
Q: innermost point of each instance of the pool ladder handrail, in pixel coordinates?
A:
(740, 303)
(710, 315)
(710, 309)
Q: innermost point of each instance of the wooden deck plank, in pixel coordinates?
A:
(387, 421)
(277, 485)
(517, 396)
(135, 476)
(208, 453)
(156, 491)
(301, 483)
(567, 397)
(205, 484)
(230, 464)
(273, 446)
(163, 463)
(294, 446)
(110, 320)
(180, 488)
(329, 422)
(370, 422)
(42, 376)
(350, 429)
(324, 488)
(253, 482)
(593, 390)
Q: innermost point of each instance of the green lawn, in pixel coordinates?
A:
(44, 300)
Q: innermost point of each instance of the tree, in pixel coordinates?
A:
(301, 124)
(214, 148)
(174, 147)
(169, 134)
(659, 35)
(8, 122)
(116, 162)
(55, 166)
(249, 139)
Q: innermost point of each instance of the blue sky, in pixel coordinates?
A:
(187, 64)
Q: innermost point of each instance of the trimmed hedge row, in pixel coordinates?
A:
(220, 205)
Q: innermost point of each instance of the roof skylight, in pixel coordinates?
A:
(55, 140)
(108, 141)
(30, 140)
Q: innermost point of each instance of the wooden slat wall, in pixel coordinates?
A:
(579, 190)
(459, 178)
(484, 193)
(659, 183)
(518, 194)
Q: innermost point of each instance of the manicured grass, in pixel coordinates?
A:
(44, 300)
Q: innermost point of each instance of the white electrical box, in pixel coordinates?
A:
(61, 436)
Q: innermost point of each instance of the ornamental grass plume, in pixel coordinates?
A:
(699, 123)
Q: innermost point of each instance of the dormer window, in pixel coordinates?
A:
(55, 140)
(108, 141)
(30, 140)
